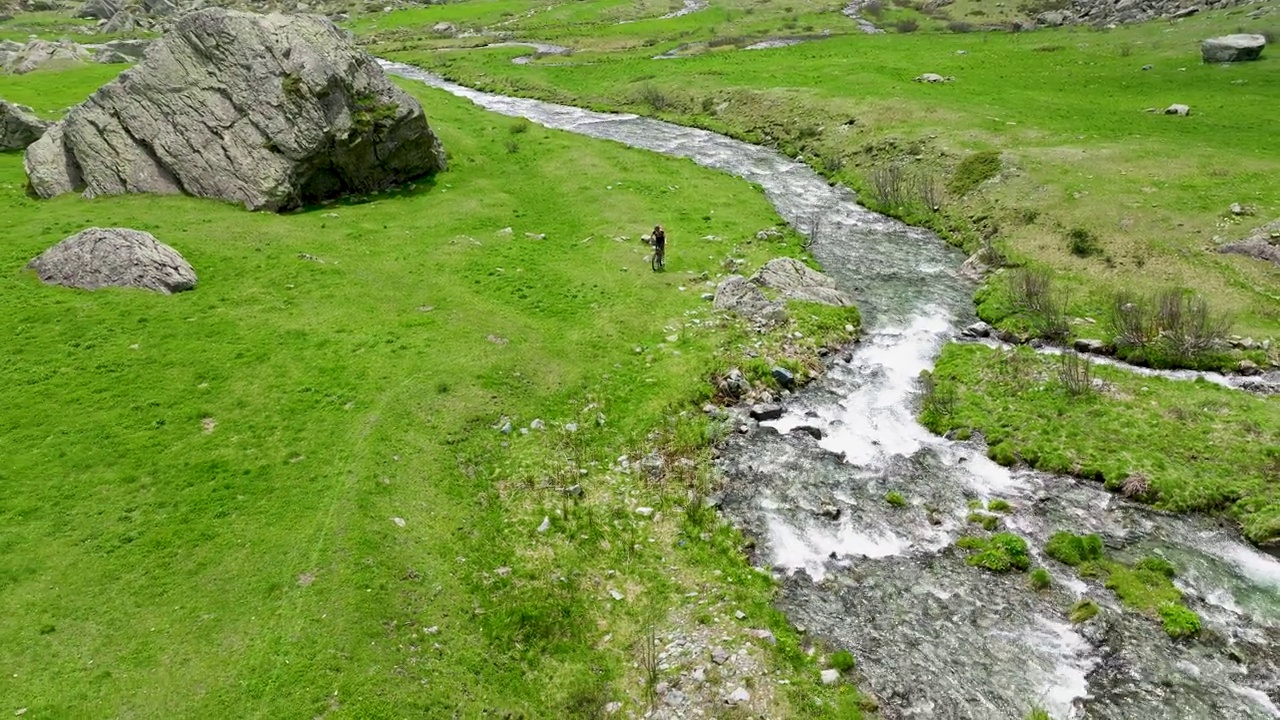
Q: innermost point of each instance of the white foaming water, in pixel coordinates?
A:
(1258, 567)
(811, 550)
(1259, 698)
(1072, 665)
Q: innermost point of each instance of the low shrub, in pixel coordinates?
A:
(1000, 505)
(1002, 552)
(519, 126)
(1179, 621)
(842, 660)
(1040, 579)
(988, 522)
(1074, 550)
(1083, 243)
(895, 499)
(1156, 565)
(906, 26)
(1082, 611)
(959, 26)
(973, 171)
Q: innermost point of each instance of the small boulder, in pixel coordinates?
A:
(736, 384)
(1232, 48)
(763, 412)
(444, 28)
(114, 257)
(1262, 244)
(1178, 109)
(784, 377)
(977, 330)
(19, 126)
(830, 676)
(933, 78)
(811, 431)
(1095, 347)
(1248, 367)
(796, 281)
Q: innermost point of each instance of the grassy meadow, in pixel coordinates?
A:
(1064, 107)
(287, 494)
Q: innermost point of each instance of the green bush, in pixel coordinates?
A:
(895, 499)
(988, 522)
(1038, 713)
(1074, 550)
(842, 660)
(1002, 552)
(1179, 621)
(1040, 579)
(973, 171)
(999, 505)
(1082, 242)
(1003, 454)
(1157, 565)
(1083, 611)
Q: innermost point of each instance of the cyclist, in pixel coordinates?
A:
(659, 248)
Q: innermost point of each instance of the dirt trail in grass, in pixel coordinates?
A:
(935, 637)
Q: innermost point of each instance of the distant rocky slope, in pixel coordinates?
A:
(271, 111)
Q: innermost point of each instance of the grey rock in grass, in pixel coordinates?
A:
(979, 329)
(796, 281)
(1094, 347)
(1240, 47)
(121, 22)
(1262, 243)
(19, 126)
(38, 54)
(934, 78)
(784, 377)
(736, 384)
(100, 9)
(737, 294)
(1178, 109)
(272, 112)
(114, 257)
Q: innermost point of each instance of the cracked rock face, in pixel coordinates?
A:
(114, 257)
(269, 111)
(19, 126)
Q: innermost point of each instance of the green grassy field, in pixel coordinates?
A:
(285, 494)
(1186, 446)
(1064, 107)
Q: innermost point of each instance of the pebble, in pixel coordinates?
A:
(616, 595)
(644, 511)
(399, 521)
(719, 655)
(739, 614)
(738, 697)
(546, 525)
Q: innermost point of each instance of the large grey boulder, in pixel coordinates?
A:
(738, 295)
(42, 54)
(19, 126)
(121, 22)
(1232, 48)
(796, 281)
(269, 111)
(100, 9)
(114, 257)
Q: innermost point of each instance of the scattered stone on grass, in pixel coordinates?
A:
(114, 257)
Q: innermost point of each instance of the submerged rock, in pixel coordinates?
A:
(270, 111)
(114, 257)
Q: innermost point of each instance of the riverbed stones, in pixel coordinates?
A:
(784, 377)
(19, 126)
(1241, 47)
(114, 257)
(979, 329)
(735, 384)
(272, 111)
(1095, 347)
(761, 412)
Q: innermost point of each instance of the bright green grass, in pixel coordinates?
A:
(200, 489)
(1065, 107)
(1201, 446)
(52, 93)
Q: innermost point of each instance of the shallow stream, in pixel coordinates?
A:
(934, 637)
